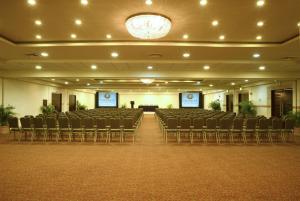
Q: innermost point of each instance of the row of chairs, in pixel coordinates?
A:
(72, 128)
(230, 129)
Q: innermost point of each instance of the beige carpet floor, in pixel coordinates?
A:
(148, 170)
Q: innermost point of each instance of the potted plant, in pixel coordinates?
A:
(5, 113)
(247, 108)
(80, 106)
(215, 105)
(296, 117)
(46, 110)
(124, 106)
(170, 106)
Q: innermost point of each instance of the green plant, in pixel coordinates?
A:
(215, 105)
(45, 110)
(247, 108)
(295, 116)
(5, 113)
(124, 105)
(170, 106)
(80, 106)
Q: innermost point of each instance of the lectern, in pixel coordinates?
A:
(132, 104)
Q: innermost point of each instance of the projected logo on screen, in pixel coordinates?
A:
(107, 96)
(190, 96)
(190, 100)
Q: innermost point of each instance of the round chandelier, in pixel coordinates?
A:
(148, 25)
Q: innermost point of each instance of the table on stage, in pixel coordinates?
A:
(148, 108)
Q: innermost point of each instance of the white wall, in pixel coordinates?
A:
(209, 97)
(28, 97)
(162, 99)
(0, 91)
(260, 96)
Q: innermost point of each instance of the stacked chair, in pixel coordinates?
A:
(219, 127)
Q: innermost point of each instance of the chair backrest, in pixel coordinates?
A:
(115, 123)
(38, 122)
(225, 123)
(26, 122)
(251, 123)
(263, 124)
(211, 123)
(185, 123)
(88, 123)
(172, 123)
(75, 123)
(101, 123)
(128, 123)
(289, 124)
(238, 123)
(13, 122)
(276, 123)
(51, 122)
(198, 123)
(63, 122)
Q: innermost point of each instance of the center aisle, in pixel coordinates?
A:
(149, 131)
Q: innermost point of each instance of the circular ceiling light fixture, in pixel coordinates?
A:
(147, 81)
(148, 25)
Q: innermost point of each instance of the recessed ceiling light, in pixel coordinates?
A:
(78, 22)
(260, 23)
(258, 37)
(260, 3)
(246, 80)
(94, 67)
(39, 37)
(166, 82)
(157, 85)
(215, 23)
(256, 55)
(150, 67)
(198, 82)
(77, 80)
(222, 37)
(241, 88)
(185, 36)
(206, 67)
(114, 54)
(149, 2)
(232, 83)
(88, 84)
(84, 2)
(203, 2)
(31, 2)
(38, 22)
(73, 36)
(186, 55)
(211, 85)
(44, 54)
(101, 82)
(262, 68)
(52, 79)
(298, 24)
(66, 83)
(108, 36)
(38, 67)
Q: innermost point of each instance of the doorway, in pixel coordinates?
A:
(281, 102)
(72, 102)
(229, 103)
(57, 101)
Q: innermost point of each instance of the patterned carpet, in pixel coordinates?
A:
(148, 170)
